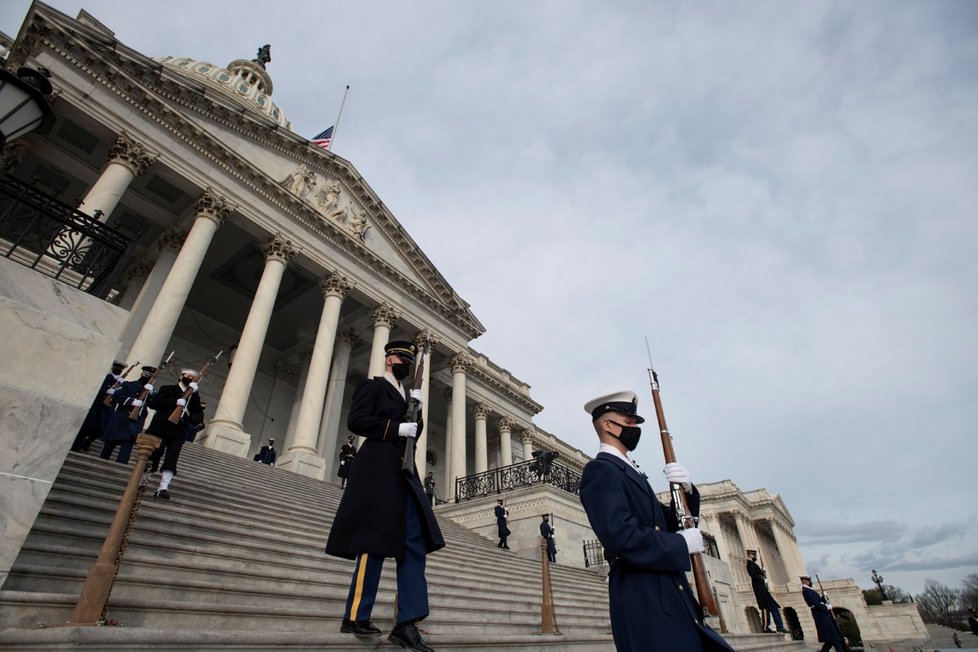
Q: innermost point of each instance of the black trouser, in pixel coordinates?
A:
(169, 452)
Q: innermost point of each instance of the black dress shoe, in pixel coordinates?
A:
(783, 631)
(768, 630)
(359, 627)
(408, 636)
(162, 493)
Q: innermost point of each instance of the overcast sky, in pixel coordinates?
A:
(781, 196)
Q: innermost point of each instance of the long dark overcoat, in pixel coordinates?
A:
(652, 606)
(120, 427)
(827, 631)
(501, 529)
(99, 413)
(164, 401)
(765, 601)
(372, 513)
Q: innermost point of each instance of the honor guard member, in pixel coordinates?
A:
(502, 514)
(547, 533)
(173, 435)
(766, 603)
(652, 607)
(347, 454)
(384, 511)
(267, 454)
(98, 415)
(828, 633)
(121, 431)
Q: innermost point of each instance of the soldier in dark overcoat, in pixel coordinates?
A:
(828, 633)
(173, 435)
(348, 453)
(122, 431)
(98, 415)
(502, 530)
(652, 606)
(547, 532)
(766, 603)
(384, 511)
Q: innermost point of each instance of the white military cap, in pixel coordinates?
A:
(188, 372)
(625, 402)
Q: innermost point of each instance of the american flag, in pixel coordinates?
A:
(324, 139)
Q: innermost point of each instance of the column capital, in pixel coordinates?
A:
(422, 334)
(506, 424)
(280, 249)
(131, 154)
(336, 285)
(348, 336)
(285, 370)
(214, 207)
(481, 410)
(461, 362)
(139, 270)
(171, 241)
(305, 356)
(527, 435)
(447, 394)
(385, 315)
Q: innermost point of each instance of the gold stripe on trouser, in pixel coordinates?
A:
(358, 591)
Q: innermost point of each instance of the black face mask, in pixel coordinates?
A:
(401, 370)
(629, 435)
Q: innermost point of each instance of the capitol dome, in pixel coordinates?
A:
(247, 82)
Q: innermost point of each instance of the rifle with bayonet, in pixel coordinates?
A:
(414, 407)
(107, 399)
(179, 409)
(134, 413)
(686, 520)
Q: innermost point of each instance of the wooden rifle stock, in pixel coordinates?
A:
(143, 395)
(414, 406)
(703, 589)
(107, 399)
(178, 410)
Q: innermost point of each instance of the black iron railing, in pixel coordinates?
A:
(522, 474)
(594, 554)
(57, 240)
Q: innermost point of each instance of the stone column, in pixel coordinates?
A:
(127, 160)
(384, 318)
(481, 413)
(527, 439)
(302, 456)
(790, 555)
(225, 431)
(329, 429)
(460, 363)
(169, 245)
(305, 356)
(136, 276)
(506, 441)
(748, 541)
(149, 345)
(449, 480)
(421, 446)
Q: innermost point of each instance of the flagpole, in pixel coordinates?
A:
(336, 125)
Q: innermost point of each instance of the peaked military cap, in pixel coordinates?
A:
(402, 349)
(625, 402)
(120, 364)
(149, 370)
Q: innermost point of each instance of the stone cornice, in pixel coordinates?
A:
(148, 87)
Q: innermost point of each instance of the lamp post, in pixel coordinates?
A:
(23, 105)
(878, 581)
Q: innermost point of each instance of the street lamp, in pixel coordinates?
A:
(878, 581)
(23, 106)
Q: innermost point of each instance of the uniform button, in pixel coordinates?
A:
(657, 528)
(680, 587)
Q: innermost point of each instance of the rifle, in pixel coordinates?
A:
(407, 462)
(107, 399)
(178, 410)
(703, 589)
(134, 413)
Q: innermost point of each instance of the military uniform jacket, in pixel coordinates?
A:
(765, 600)
(120, 427)
(371, 516)
(164, 401)
(652, 606)
(827, 632)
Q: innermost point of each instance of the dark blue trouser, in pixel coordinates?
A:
(412, 588)
(778, 623)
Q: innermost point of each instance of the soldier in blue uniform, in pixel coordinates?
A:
(121, 431)
(98, 415)
(502, 530)
(652, 606)
(384, 511)
(765, 601)
(828, 633)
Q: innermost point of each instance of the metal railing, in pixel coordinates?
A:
(594, 554)
(522, 474)
(47, 235)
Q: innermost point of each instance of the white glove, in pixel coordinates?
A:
(416, 395)
(148, 387)
(677, 473)
(110, 391)
(409, 429)
(194, 386)
(694, 539)
(181, 402)
(137, 403)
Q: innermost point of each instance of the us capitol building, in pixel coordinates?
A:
(170, 207)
